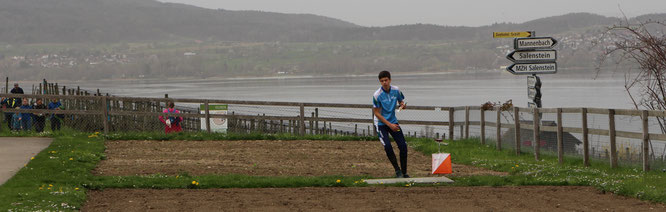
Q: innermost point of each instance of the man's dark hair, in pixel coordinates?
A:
(384, 74)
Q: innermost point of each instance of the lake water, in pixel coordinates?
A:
(432, 89)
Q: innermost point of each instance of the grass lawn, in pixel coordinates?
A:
(58, 177)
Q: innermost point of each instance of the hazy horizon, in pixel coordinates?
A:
(449, 13)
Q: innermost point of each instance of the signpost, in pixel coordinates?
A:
(534, 43)
(531, 56)
(532, 68)
(513, 34)
(521, 56)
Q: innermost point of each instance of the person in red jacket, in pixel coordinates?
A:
(171, 123)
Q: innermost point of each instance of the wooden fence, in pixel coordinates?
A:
(105, 117)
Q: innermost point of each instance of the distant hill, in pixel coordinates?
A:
(110, 21)
(38, 21)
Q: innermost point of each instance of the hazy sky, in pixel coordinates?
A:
(440, 12)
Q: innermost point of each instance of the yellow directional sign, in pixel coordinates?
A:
(512, 34)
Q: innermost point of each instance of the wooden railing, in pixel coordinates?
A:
(98, 106)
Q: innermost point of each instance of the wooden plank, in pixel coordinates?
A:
(560, 141)
(627, 112)
(75, 112)
(302, 120)
(467, 122)
(536, 141)
(657, 113)
(548, 110)
(105, 115)
(451, 120)
(661, 137)
(206, 107)
(516, 120)
(611, 134)
(547, 128)
(598, 111)
(571, 110)
(586, 141)
(525, 110)
(646, 140)
(499, 130)
(483, 126)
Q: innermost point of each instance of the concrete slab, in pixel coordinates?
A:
(16, 152)
(410, 180)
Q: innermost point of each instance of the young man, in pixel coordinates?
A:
(384, 103)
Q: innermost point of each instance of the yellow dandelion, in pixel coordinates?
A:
(71, 158)
(41, 188)
(32, 158)
(194, 182)
(337, 181)
(516, 165)
(406, 185)
(49, 188)
(356, 181)
(50, 185)
(76, 189)
(197, 183)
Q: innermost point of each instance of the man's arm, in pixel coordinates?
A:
(378, 114)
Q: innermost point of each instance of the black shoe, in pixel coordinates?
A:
(405, 176)
(398, 174)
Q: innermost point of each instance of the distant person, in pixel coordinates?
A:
(26, 118)
(40, 118)
(384, 102)
(10, 103)
(17, 90)
(171, 123)
(16, 120)
(56, 118)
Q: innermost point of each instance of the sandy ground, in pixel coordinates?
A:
(542, 198)
(263, 158)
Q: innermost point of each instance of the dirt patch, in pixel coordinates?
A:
(546, 198)
(262, 158)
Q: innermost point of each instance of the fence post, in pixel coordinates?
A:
(451, 123)
(611, 134)
(560, 139)
(499, 129)
(105, 115)
(466, 122)
(536, 141)
(207, 115)
(516, 120)
(586, 141)
(302, 120)
(317, 121)
(483, 126)
(646, 139)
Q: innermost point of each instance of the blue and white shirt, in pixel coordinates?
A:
(388, 102)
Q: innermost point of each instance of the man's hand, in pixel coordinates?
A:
(402, 106)
(394, 127)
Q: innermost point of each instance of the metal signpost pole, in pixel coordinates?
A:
(531, 56)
